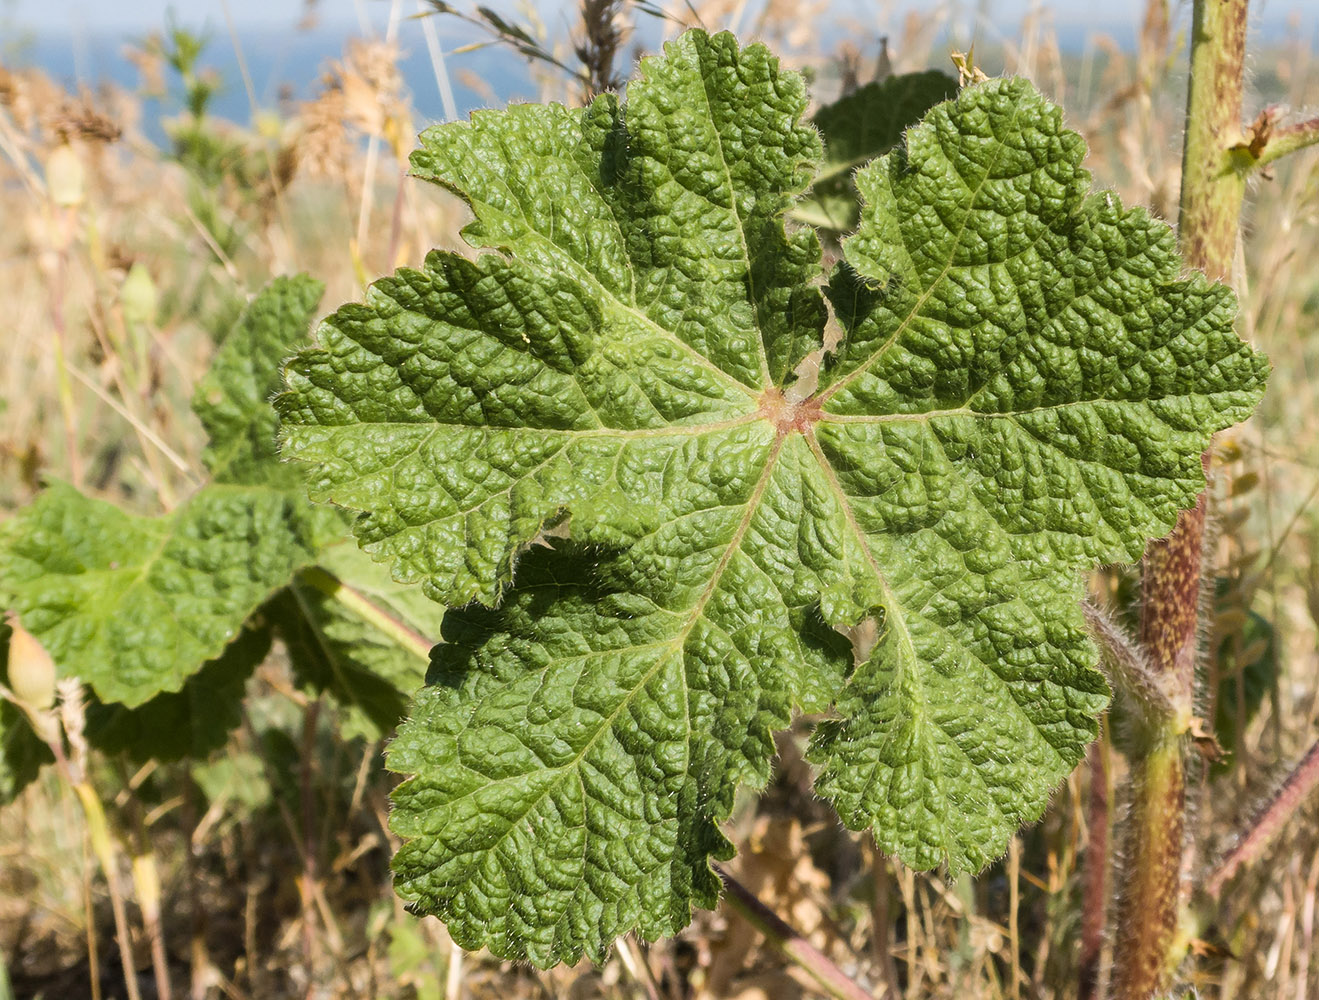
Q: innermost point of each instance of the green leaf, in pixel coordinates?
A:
(135, 605)
(330, 646)
(858, 127)
(192, 722)
(233, 398)
(1248, 665)
(22, 754)
(574, 750)
(1023, 389)
(236, 781)
(365, 641)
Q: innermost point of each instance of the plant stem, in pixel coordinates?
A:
(331, 586)
(93, 951)
(310, 718)
(1289, 139)
(198, 959)
(794, 947)
(1095, 901)
(1150, 895)
(453, 973)
(637, 966)
(146, 886)
(103, 848)
(1303, 780)
(1212, 193)
(1014, 912)
(881, 920)
(64, 224)
(1150, 900)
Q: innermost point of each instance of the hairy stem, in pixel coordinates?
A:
(1290, 139)
(1303, 780)
(1151, 896)
(1150, 892)
(1212, 193)
(1139, 690)
(1264, 141)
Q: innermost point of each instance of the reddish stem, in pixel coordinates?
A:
(309, 868)
(1303, 780)
(1149, 946)
(1094, 910)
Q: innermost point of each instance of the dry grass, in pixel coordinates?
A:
(95, 388)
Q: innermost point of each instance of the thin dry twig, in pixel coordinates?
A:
(794, 947)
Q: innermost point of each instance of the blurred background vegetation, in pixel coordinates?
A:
(152, 177)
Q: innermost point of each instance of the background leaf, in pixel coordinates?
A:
(857, 128)
(136, 605)
(233, 398)
(370, 660)
(192, 722)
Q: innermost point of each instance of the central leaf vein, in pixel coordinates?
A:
(893, 614)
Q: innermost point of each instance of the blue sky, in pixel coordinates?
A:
(139, 15)
(86, 30)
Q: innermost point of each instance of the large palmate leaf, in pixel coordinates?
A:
(1023, 388)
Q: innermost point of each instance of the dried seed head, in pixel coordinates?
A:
(66, 179)
(31, 669)
(79, 120)
(138, 296)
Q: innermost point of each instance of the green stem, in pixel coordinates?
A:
(331, 586)
(103, 847)
(1151, 897)
(1212, 193)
